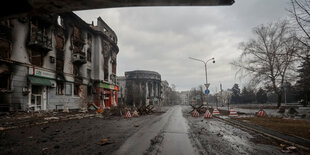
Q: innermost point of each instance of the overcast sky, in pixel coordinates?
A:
(162, 38)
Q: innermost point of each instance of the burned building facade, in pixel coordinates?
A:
(142, 87)
(56, 61)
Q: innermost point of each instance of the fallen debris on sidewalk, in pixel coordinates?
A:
(104, 141)
(288, 149)
(219, 135)
(51, 118)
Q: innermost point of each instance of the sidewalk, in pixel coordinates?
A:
(23, 119)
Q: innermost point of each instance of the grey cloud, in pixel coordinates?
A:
(162, 38)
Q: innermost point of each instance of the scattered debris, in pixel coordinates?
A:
(219, 135)
(44, 128)
(292, 148)
(51, 118)
(66, 110)
(83, 110)
(104, 141)
(281, 110)
(45, 148)
(292, 111)
(288, 149)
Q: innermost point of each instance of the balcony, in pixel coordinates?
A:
(78, 58)
(40, 41)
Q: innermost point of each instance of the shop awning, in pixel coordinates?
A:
(39, 81)
(108, 86)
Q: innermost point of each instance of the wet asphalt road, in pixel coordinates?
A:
(167, 134)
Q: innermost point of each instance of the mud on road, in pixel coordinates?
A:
(217, 137)
(79, 136)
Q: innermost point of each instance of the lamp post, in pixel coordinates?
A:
(205, 62)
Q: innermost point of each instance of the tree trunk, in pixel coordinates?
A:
(279, 99)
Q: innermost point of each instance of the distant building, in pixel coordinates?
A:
(184, 95)
(121, 81)
(165, 91)
(57, 60)
(140, 87)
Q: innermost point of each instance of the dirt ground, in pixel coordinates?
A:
(79, 136)
(299, 128)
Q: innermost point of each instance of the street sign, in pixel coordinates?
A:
(207, 91)
(207, 85)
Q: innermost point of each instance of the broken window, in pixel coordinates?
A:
(77, 40)
(59, 61)
(39, 38)
(106, 74)
(5, 40)
(60, 88)
(89, 39)
(89, 55)
(89, 90)
(76, 70)
(89, 73)
(76, 89)
(5, 47)
(114, 68)
(69, 89)
(113, 59)
(59, 37)
(106, 68)
(5, 81)
(36, 58)
(106, 56)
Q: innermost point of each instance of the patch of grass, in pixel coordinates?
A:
(300, 128)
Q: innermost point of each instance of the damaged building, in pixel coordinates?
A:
(57, 61)
(140, 87)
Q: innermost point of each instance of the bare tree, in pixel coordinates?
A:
(269, 58)
(300, 11)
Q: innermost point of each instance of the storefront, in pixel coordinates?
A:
(39, 82)
(106, 95)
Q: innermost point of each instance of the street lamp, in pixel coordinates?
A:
(205, 62)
